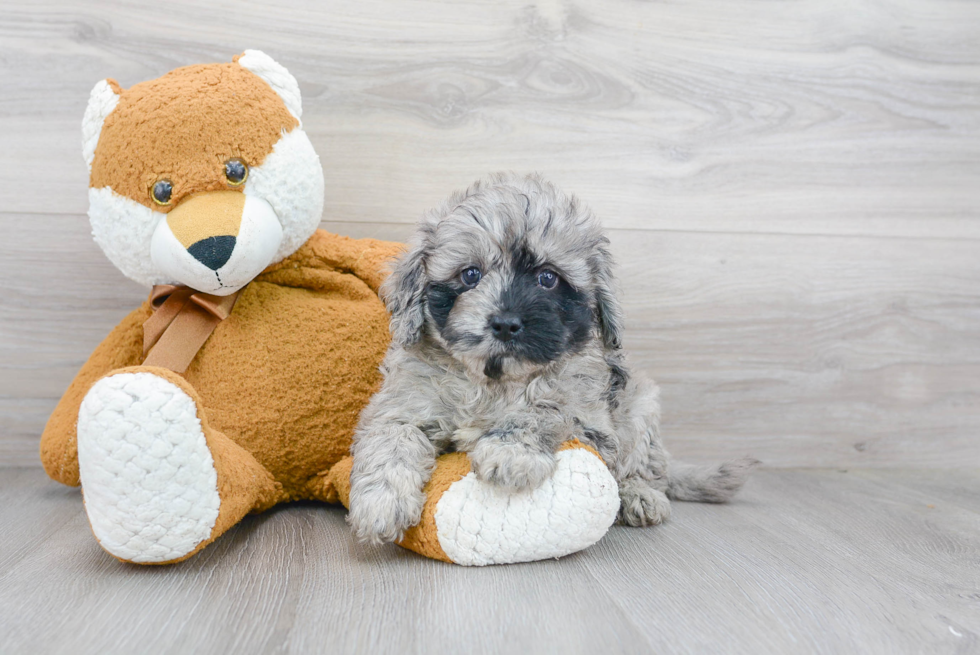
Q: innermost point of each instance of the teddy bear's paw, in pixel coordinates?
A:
(480, 523)
(148, 478)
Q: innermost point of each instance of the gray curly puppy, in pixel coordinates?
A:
(506, 343)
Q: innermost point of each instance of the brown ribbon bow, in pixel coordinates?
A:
(182, 321)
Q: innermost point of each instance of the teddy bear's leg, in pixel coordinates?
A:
(159, 484)
(471, 522)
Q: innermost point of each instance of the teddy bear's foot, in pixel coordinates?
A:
(148, 477)
(479, 523)
(471, 522)
(158, 483)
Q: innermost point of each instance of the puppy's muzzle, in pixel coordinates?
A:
(506, 326)
(216, 242)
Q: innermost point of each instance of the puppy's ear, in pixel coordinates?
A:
(403, 294)
(608, 312)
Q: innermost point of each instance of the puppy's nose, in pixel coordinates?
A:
(506, 326)
(213, 252)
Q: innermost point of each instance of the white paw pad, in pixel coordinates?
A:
(479, 524)
(148, 478)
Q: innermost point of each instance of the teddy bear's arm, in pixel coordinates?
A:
(123, 347)
(367, 259)
(370, 259)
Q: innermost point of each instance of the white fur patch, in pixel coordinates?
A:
(123, 228)
(276, 76)
(479, 524)
(148, 478)
(101, 102)
(291, 180)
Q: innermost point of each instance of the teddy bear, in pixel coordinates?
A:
(238, 383)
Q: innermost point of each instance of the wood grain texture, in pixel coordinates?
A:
(791, 188)
(807, 117)
(803, 562)
(843, 354)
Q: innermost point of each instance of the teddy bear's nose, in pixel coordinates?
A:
(213, 252)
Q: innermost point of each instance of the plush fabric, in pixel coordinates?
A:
(285, 376)
(182, 128)
(159, 471)
(102, 101)
(146, 137)
(290, 194)
(124, 229)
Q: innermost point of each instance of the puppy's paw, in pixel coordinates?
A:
(378, 514)
(641, 504)
(511, 465)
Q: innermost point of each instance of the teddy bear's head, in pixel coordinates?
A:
(202, 177)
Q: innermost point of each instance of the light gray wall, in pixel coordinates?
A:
(791, 188)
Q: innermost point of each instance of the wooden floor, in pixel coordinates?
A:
(835, 561)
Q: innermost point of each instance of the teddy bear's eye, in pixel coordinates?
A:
(161, 192)
(236, 172)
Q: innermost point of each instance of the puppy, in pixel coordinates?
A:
(506, 342)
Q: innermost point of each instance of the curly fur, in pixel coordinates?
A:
(451, 384)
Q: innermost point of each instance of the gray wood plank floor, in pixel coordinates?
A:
(832, 561)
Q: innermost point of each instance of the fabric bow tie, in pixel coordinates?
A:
(181, 322)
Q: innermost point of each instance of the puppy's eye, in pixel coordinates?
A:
(548, 279)
(236, 172)
(161, 192)
(471, 276)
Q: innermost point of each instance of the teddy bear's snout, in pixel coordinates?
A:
(202, 217)
(216, 241)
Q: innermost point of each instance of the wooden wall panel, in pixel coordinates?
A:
(791, 188)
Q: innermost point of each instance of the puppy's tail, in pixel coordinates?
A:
(708, 484)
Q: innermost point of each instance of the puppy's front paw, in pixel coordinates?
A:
(641, 504)
(378, 514)
(511, 465)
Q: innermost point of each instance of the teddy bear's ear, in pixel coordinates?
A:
(101, 102)
(276, 75)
